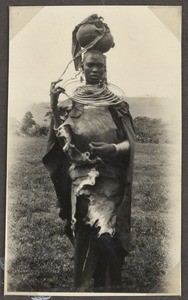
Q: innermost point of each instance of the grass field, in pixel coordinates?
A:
(40, 258)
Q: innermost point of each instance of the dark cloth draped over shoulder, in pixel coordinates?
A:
(56, 162)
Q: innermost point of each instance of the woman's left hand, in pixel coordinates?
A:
(102, 150)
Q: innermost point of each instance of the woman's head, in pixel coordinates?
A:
(94, 66)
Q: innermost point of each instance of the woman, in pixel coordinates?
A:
(90, 160)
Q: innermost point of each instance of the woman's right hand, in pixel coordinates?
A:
(54, 93)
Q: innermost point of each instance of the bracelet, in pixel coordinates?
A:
(122, 147)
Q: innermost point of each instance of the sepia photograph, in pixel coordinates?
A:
(93, 195)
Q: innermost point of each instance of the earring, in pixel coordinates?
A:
(82, 77)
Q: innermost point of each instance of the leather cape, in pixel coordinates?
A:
(57, 164)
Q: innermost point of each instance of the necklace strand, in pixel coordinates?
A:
(95, 95)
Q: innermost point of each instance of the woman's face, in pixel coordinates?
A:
(94, 68)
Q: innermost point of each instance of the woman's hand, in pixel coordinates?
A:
(54, 93)
(102, 150)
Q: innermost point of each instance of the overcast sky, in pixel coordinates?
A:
(144, 62)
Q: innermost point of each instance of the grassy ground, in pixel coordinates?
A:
(40, 258)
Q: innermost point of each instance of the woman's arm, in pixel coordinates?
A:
(54, 95)
(109, 150)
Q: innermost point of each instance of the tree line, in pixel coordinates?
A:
(147, 130)
(28, 126)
